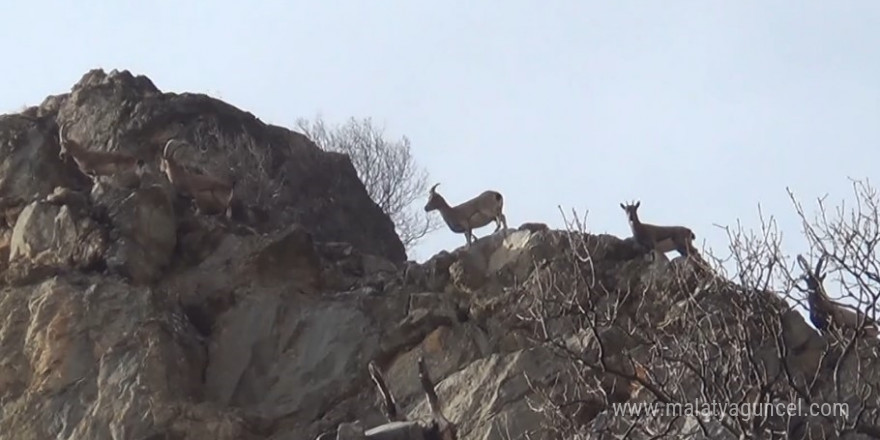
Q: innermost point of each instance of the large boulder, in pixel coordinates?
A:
(282, 172)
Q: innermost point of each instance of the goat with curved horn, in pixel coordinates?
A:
(97, 164)
(471, 214)
(389, 404)
(210, 194)
(825, 313)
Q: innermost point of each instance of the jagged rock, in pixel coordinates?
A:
(88, 358)
(282, 172)
(146, 235)
(204, 327)
(262, 350)
(290, 256)
(29, 164)
(46, 234)
(468, 273)
(433, 275)
(347, 269)
(533, 227)
(496, 403)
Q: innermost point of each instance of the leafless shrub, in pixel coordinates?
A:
(392, 177)
(628, 332)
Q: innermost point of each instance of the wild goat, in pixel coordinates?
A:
(210, 194)
(824, 312)
(398, 427)
(97, 163)
(659, 238)
(472, 214)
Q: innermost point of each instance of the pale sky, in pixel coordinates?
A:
(701, 110)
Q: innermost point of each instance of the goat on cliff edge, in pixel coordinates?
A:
(469, 215)
(96, 164)
(210, 194)
(659, 238)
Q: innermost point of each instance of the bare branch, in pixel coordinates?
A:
(387, 168)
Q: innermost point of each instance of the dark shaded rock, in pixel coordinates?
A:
(289, 256)
(533, 227)
(281, 173)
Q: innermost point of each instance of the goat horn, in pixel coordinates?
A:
(61, 132)
(165, 150)
(433, 187)
(430, 393)
(803, 263)
(819, 265)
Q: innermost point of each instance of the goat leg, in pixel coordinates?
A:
(93, 176)
(683, 251)
(649, 247)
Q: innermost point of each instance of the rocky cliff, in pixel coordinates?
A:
(125, 315)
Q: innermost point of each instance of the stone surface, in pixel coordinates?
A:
(278, 170)
(123, 315)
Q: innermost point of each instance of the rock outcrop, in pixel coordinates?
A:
(127, 316)
(279, 171)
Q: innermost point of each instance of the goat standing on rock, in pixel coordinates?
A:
(659, 238)
(96, 164)
(825, 313)
(210, 194)
(472, 214)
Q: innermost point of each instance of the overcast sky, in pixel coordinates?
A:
(701, 110)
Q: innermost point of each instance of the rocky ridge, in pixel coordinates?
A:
(127, 316)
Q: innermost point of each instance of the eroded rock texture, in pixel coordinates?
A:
(124, 315)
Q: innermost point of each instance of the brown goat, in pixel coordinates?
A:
(210, 194)
(95, 164)
(825, 313)
(469, 215)
(659, 238)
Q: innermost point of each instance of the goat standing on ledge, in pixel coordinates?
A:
(659, 238)
(96, 164)
(398, 427)
(825, 313)
(472, 214)
(210, 194)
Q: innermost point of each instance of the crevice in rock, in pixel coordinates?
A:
(200, 319)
